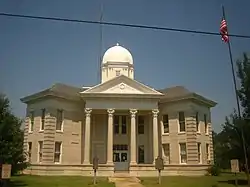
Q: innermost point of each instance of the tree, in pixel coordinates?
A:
(228, 143)
(11, 138)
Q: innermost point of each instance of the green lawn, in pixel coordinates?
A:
(60, 181)
(225, 180)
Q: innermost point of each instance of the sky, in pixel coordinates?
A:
(34, 54)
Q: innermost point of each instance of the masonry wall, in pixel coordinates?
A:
(191, 137)
(71, 136)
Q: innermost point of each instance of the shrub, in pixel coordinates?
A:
(214, 170)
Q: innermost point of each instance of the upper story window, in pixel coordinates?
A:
(165, 123)
(116, 124)
(197, 122)
(124, 124)
(42, 120)
(59, 120)
(120, 124)
(182, 124)
(140, 124)
(117, 72)
(32, 121)
(206, 124)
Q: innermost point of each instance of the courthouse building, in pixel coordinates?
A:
(123, 122)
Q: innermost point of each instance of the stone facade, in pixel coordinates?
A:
(121, 121)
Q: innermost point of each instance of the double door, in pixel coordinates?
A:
(121, 158)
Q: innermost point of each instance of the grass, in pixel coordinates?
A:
(57, 181)
(225, 180)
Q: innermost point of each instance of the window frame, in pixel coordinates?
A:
(206, 124)
(42, 125)
(31, 121)
(197, 122)
(29, 151)
(62, 120)
(199, 152)
(167, 157)
(208, 152)
(180, 152)
(141, 125)
(40, 152)
(181, 122)
(60, 153)
(165, 123)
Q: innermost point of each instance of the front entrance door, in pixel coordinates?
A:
(120, 158)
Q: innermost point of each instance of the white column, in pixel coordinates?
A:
(133, 137)
(87, 136)
(110, 136)
(155, 134)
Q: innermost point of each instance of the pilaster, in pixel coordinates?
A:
(49, 139)
(191, 134)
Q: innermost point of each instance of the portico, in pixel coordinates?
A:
(125, 137)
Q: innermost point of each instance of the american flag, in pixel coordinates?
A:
(223, 30)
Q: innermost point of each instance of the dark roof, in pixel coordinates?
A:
(180, 92)
(58, 89)
(73, 93)
(175, 91)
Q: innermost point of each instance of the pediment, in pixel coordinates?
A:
(122, 85)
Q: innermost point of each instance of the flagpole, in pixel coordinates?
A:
(237, 100)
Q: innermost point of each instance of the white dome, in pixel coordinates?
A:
(117, 54)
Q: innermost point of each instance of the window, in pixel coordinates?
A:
(58, 148)
(116, 124)
(141, 158)
(205, 122)
(182, 122)
(118, 72)
(140, 124)
(32, 120)
(207, 152)
(183, 153)
(42, 120)
(199, 152)
(59, 120)
(165, 124)
(29, 151)
(166, 151)
(40, 151)
(197, 122)
(124, 124)
(120, 125)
